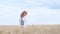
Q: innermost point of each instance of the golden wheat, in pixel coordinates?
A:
(30, 29)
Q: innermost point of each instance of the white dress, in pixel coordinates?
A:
(22, 22)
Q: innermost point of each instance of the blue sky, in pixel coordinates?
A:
(39, 11)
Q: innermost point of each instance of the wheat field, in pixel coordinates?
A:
(30, 29)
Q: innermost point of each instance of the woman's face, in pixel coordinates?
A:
(25, 14)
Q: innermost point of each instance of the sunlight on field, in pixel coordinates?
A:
(30, 29)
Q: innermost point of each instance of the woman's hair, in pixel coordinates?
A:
(24, 13)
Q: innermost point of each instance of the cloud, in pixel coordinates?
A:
(44, 10)
(43, 15)
(7, 11)
(52, 4)
(43, 1)
(5, 16)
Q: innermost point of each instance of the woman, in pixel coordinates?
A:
(23, 14)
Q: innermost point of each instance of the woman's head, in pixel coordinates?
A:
(23, 14)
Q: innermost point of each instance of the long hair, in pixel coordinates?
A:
(23, 14)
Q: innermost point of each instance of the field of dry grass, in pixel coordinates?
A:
(30, 29)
